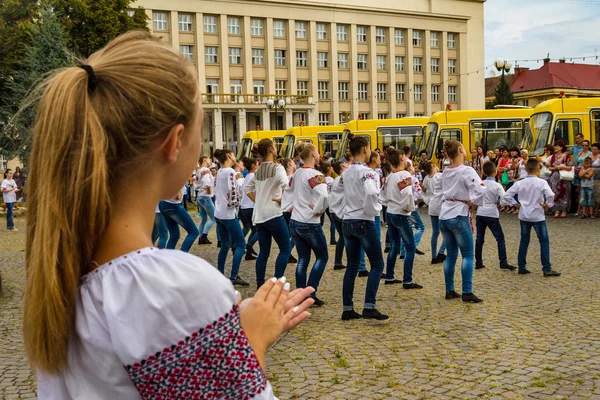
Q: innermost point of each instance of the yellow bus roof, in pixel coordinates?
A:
(572, 105)
(358, 125)
(464, 116)
(258, 135)
(313, 130)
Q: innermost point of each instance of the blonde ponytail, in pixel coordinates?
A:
(82, 136)
(304, 150)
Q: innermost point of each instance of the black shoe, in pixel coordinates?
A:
(480, 266)
(218, 244)
(333, 242)
(419, 252)
(373, 314)
(203, 239)
(551, 273)
(318, 302)
(349, 315)
(508, 267)
(338, 267)
(250, 256)
(436, 260)
(524, 272)
(250, 250)
(393, 281)
(239, 282)
(452, 295)
(387, 249)
(412, 286)
(363, 274)
(470, 298)
(402, 257)
(441, 257)
(292, 260)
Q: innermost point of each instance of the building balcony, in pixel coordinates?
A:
(254, 101)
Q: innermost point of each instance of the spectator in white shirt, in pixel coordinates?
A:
(9, 194)
(432, 185)
(535, 197)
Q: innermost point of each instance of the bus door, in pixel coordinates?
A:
(444, 136)
(400, 136)
(278, 140)
(330, 142)
(566, 130)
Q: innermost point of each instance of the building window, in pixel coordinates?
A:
(361, 61)
(321, 32)
(452, 40)
(399, 36)
(452, 94)
(279, 28)
(233, 25)
(322, 60)
(418, 92)
(417, 64)
(300, 30)
(323, 119)
(435, 65)
(256, 27)
(187, 51)
(185, 22)
(363, 116)
(343, 60)
(451, 66)
(435, 93)
(159, 21)
(400, 115)
(258, 87)
(400, 92)
(280, 88)
(434, 39)
(343, 90)
(235, 55)
(382, 116)
(212, 86)
(236, 86)
(381, 63)
(363, 91)
(382, 91)
(301, 58)
(323, 90)
(258, 57)
(399, 63)
(526, 103)
(380, 35)
(361, 34)
(302, 88)
(280, 58)
(419, 115)
(344, 117)
(210, 24)
(210, 55)
(417, 38)
(342, 32)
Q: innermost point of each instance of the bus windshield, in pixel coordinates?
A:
(432, 129)
(287, 148)
(344, 146)
(400, 136)
(540, 126)
(527, 136)
(245, 149)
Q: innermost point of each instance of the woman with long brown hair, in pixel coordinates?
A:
(107, 315)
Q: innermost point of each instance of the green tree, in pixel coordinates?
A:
(502, 93)
(90, 24)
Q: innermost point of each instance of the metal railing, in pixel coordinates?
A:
(257, 99)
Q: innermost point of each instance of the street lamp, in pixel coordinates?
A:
(503, 65)
(277, 105)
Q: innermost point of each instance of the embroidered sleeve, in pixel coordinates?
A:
(233, 195)
(215, 362)
(403, 184)
(316, 181)
(369, 175)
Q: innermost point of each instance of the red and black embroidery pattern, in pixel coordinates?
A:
(316, 181)
(404, 183)
(216, 362)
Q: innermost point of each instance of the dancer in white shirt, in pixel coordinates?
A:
(462, 189)
(247, 210)
(206, 207)
(336, 207)
(287, 202)
(432, 185)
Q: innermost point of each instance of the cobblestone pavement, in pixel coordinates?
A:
(533, 337)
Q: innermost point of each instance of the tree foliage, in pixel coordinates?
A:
(502, 93)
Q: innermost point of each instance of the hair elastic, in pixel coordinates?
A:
(91, 76)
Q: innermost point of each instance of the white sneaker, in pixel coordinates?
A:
(14, 230)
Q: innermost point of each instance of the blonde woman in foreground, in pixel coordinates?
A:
(107, 316)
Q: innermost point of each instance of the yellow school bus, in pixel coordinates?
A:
(253, 137)
(382, 133)
(503, 127)
(325, 138)
(563, 119)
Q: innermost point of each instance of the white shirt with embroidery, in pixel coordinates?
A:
(397, 194)
(310, 198)
(437, 194)
(459, 185)
(227, 193)
(337, 198)
(361, 193)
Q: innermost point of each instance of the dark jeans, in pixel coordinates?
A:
(246, 218)
(400, 228)
(542, 234)
(458, 235)
(9, 215)
(494, 225)
(230, 232)
(309, 237)
(288, 218)
(360, 234)
(331, 224)
(175, 216)
(160, 231)
(435, 233)
(339, 247)
(277, 229)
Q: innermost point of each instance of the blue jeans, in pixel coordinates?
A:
(230, 232)
(246, 218)
(360, 234)
(399, 226)
(277, 229)
(288, 219)
(494, 225)
(363, 265)
(160, 231)
(458, 235)
(339, 247)
(309, 237)
(9, 215)
(175, 215)
(417, 223)
(587, 197)
(206, 209)
(435, 233)
(542, 234)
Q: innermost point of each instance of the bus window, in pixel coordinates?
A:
(540, 125)
(595, 126)
(287, 147)
(445, 135)
(497, 133)
(278, 143)
(400, 136)
(566, 130)
(329, 142)
(432, 129)
(527, 135)
(245, 149)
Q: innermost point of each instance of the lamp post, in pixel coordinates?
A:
(503, 65)
(277, 105)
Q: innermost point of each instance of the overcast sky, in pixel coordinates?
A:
(530, 29)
